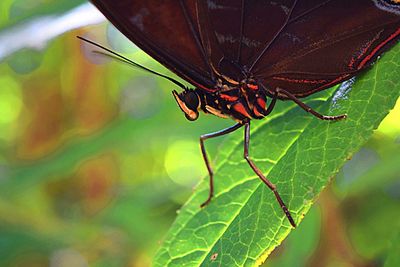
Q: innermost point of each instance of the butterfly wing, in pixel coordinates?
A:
(236, 31)
(301, 46)
(323, 45)
(166, 30)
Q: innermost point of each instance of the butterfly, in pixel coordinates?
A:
(241, 56)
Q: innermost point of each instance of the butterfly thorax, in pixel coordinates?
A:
(241, 101)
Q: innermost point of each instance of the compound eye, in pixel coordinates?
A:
(191, 100)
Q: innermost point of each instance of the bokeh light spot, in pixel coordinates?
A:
(10, 100)
(390, 125)
(184, 164)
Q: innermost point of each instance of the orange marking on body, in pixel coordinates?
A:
(228, 97)
(258, 114)
(215, 112)
(261, 103)
(241, 109)
(252, 87)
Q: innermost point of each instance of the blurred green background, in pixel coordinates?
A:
(96, 157)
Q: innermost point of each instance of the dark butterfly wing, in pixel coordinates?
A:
(167, 31)
(341, 46)
(236, 31)
(301, 46)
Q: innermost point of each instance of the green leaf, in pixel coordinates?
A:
(299, 153)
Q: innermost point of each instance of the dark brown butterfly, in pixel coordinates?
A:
(241, 54)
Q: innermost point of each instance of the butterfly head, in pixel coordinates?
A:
(189, 103)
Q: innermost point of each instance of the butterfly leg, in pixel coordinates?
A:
(272, 104)
(205, 157)
(261, 175)
(309, 109)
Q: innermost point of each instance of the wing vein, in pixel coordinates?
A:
(274, 38)
(288, 22)
(308, 11)
(196, 35)
(328, 42)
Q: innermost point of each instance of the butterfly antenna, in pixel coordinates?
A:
(121, 58)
